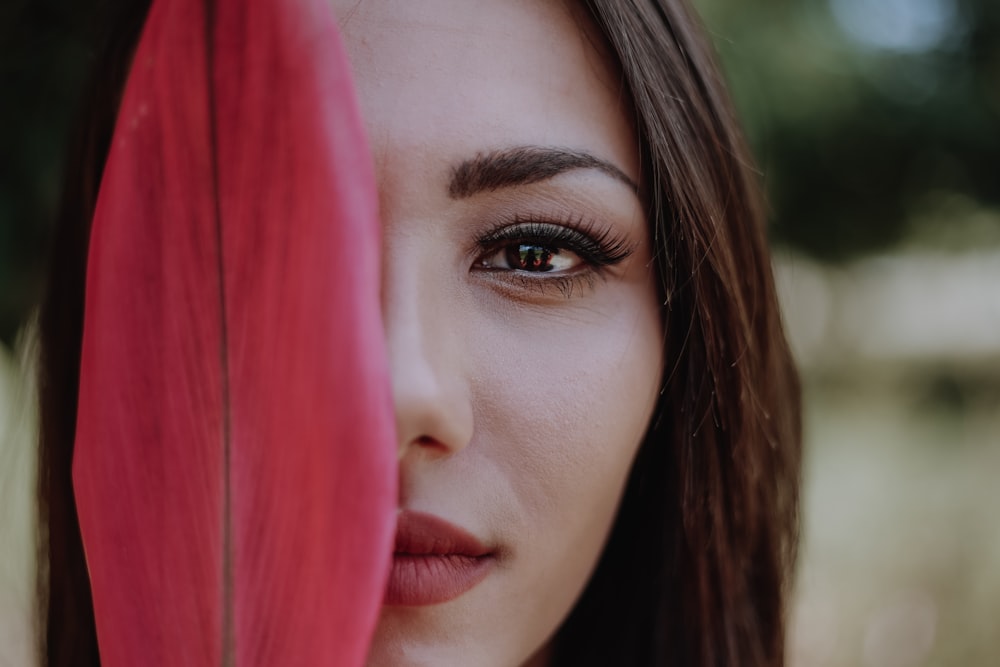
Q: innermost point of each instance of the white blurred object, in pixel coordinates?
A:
(17, 504)
(901, 307)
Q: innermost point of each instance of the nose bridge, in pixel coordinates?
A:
(408, 319)
(425, 355)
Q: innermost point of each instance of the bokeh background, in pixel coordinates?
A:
(876, 124)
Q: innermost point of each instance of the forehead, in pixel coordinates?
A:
(441, 78)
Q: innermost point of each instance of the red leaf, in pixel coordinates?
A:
(235, 458)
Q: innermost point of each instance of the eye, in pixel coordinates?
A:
(532, 257)
(534, 246)
(542, 255)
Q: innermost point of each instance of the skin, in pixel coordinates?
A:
(521, 396)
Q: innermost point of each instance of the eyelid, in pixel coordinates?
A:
(598, 246)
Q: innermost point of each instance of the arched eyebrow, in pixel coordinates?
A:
(524, 165)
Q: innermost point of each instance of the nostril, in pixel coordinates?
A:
(424, 446)
(428, 442)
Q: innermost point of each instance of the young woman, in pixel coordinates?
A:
(591, 383)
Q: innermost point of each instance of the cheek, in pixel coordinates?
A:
(564, 398)
(567, 387)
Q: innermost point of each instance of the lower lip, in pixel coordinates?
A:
(424, 579)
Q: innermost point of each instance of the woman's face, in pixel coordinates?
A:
(520, 309)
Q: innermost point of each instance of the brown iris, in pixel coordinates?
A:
(530, 257)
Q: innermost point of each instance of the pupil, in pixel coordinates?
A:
(527, 257)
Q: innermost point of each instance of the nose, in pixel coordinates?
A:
(429, 387)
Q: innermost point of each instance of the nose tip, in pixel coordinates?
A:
(429, 415)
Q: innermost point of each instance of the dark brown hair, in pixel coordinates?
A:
(697, 568)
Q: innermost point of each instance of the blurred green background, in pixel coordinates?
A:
(876, 124)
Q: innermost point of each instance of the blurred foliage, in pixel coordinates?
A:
(870, 118)
(873, 121)
(44, 60)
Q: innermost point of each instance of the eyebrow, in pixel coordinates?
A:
(524, 165)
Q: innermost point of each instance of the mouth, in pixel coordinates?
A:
(434, 561)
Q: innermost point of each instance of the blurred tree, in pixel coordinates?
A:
(44, 56)
(864, 114)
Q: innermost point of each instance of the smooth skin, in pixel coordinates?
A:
(525, 363)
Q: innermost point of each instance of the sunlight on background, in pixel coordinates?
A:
(897, 25)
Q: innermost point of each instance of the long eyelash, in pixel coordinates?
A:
(598, 247)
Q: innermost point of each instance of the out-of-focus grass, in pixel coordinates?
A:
(901, 540)
(17, 506)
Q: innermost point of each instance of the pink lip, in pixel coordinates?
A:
(434, 561)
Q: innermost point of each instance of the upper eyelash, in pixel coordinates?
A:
(598, 247)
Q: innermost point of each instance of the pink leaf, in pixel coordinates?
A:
(235, 457)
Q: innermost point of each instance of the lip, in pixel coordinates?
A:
(434, 561)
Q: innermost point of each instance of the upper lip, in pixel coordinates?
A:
(419, 534)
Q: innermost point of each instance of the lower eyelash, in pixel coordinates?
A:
(564, 283)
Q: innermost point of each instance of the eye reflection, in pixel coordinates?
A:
(533, 258)
(536, 258)
(537, 253)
